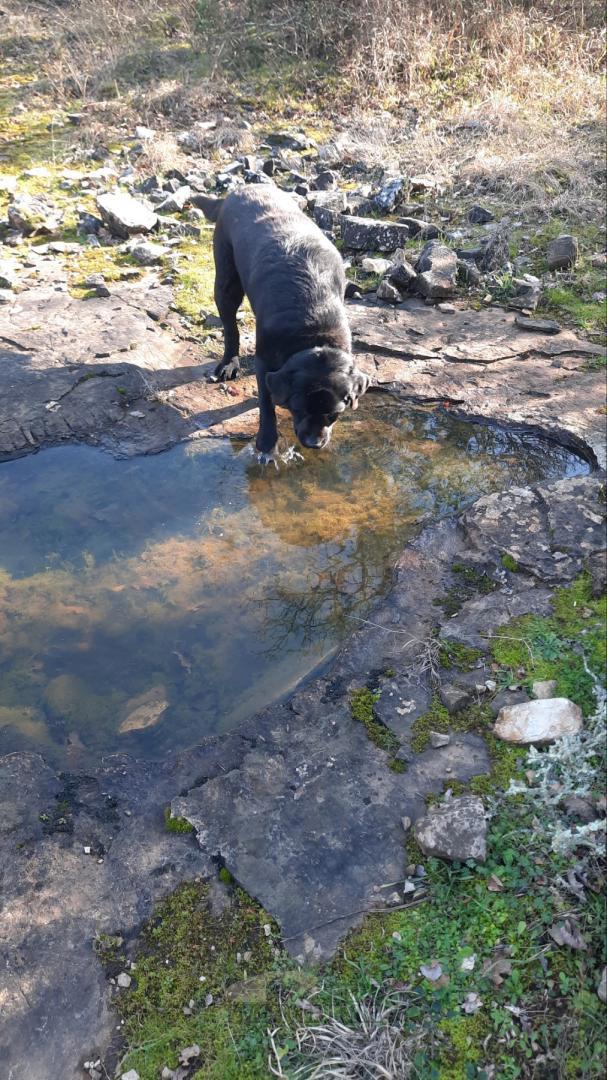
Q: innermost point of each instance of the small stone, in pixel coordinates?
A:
(438, 739)
(562, 252)
(602, 987)
(8, 275)
(580, 808)
(468, 963)
(401, 272)
(144, 133)
(393, 900)
(388, 292)
(408, 887)
(490, 685)
(132, 1074)
(389, 194)
(479, 215)
(538, 326)
(326, 180)
(456, 830)
(124, 980)
(93, 280)
(544, 688)
(527, 295)
(188, 1054)
(468, 273)
(455, 698)
(436, 271)
(30, 215)
(406, 823)
(540, 721)
(6, 296)
(420, 229)
(447, 309)
(175, 202)
(376, 266)
(147, 253)
(167, 1074)
(86, 849)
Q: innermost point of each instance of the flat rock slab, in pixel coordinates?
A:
(483, 366)
(310, 823)
(77, 369)
(538, 722)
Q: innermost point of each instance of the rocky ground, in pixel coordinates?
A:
(105, 267)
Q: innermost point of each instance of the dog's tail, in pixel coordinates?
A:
(208, 205)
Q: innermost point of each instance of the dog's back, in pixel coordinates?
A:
(291, 273)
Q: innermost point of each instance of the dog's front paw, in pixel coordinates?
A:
(268, 459)
(227, 370)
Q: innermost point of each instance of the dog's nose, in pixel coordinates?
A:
(314, 442)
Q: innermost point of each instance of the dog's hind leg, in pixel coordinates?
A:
(229, 295)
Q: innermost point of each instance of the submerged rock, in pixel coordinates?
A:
(125, 215)
(144, 710)
(455, 830)
(540, 721)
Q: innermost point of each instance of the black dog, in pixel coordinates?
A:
(266, 247)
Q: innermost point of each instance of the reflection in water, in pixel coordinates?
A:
(147, 603)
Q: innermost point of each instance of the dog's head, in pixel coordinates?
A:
(316, 386)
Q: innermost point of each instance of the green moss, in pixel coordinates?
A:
(186, 954)
(435, 719)
(585, 314)
(361, 708)
(471, 581)
(225, 876)
(176, 824)
(454, 654)
(510, 563)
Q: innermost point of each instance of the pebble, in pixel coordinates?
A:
(132, 1074)
(124, 980)
(438, 739)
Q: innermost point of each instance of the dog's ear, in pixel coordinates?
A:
(360, 382)
(279, 385)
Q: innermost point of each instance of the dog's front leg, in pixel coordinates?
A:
(267, 436)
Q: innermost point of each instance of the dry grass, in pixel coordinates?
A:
(371, 1046)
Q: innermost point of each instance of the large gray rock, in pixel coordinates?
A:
(366, 234)
(562, 252)
(330, 200)
(478, 215)
(436, 271)
(538, 722)
(146, 253)
(455, 830)
(125, 215)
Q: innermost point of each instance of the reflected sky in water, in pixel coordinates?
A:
(147, 603)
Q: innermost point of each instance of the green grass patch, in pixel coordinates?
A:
(556, 647)
(455, 655)
(510, 563)
(470, 582)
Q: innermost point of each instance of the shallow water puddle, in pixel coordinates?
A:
(147, 603)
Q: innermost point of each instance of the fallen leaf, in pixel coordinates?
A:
(432, 971)
(567, 933)
(472, 1003)
(496, 968)
(495, 884)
